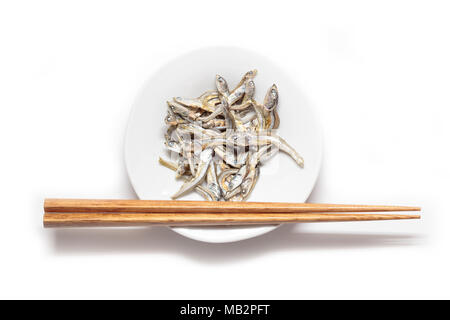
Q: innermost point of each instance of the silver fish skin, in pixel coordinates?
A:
(232, 195)
(249, 75)
(271, 98)
(230, 121)
(172, 146)
(223, 184)
(205, 193)
(181, 168)
(249, 183)
(238, 178)
(259, 116)
(212, 115)
(212, 184)
(237, 94)
(222, 86)
(249, 90)
(196, 130)
(252, 139)
(181, 110)
(204, 102)
(227, 155)
(205, 160)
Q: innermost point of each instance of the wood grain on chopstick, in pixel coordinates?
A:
(54, 220)
(175, 206)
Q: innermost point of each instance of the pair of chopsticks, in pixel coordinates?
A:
(106, 213)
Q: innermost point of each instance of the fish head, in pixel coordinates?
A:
(251, 74)
(271, 98)
(250, 88)
(221, 85)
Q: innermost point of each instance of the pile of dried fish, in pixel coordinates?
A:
(220, 139)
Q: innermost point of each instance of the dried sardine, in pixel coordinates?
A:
(222, 137)
(205, 160)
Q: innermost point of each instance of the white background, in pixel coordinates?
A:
(378, 73)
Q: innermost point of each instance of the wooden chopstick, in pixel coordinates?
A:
(176, 206)
(104, 213)
(54, 220)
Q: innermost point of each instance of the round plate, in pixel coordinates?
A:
(189, 76)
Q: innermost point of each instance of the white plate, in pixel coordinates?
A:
(190, 75)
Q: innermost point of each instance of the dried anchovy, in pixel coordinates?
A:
(221, 138)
